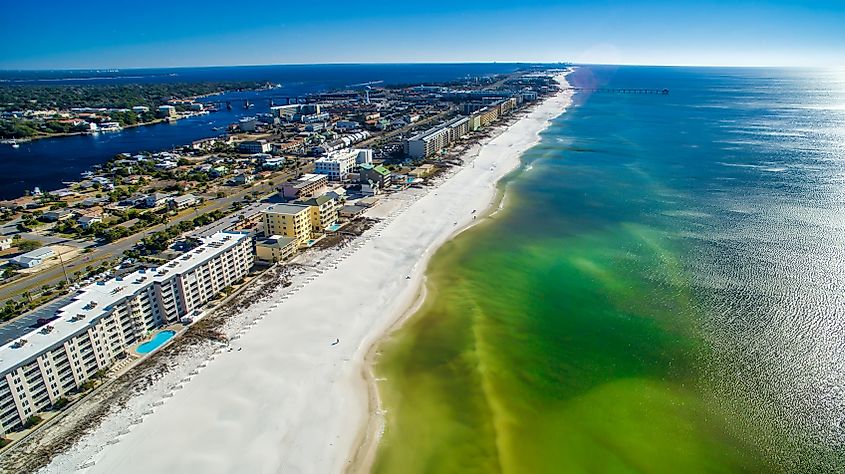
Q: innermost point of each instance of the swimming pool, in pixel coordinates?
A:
(155, 342)
(333, 227)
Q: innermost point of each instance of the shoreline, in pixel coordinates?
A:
(286, 399)
(35, 138)
(371, 433)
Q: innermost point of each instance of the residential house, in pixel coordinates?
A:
(57, 215)
(182, 202)
(243, 178)
(155, 200)
(88, 220)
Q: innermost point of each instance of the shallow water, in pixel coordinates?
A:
(663, 293)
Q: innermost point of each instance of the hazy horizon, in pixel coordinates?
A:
(352, 63)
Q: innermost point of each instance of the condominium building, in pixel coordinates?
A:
(427, 143)
(437, 138)
(487, 115)
(275, 248)
(289, 220)
(506, 106)
(340, 163)
(307, 185)
(324, 211)
(105, 318)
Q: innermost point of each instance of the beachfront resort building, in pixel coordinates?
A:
(104, 319)
(338, 164)
(276, 248)
(376, 175)
(289, 220)
(324, 211)
(433, 140)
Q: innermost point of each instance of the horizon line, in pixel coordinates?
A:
(389, 63)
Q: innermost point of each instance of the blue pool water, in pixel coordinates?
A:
(333, 227)
(157, 341)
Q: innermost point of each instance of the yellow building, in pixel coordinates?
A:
(324, 212)
(289, 220)
(275, 249)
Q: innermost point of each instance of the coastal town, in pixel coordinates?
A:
(119, 263)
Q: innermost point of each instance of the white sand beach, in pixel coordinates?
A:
(285, 399)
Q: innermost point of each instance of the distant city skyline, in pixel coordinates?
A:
(100, 35)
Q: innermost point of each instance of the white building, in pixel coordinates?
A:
(140, 109)
(340, 163)
(254, 146)
(273, 163)
(87, 221)
(106, 318)
(5, 243)
(437, 138)
(33, 258)
(167, 110)
(182, 202)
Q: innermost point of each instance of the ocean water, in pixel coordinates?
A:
(664, 291)
(47, 163)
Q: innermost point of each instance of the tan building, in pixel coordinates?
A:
(305, 186)
(437, 138)
(423, 171)
(324, 212)
(276, 248)
(487, 116)
(289, 220)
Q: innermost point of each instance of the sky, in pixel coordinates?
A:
(94, 34)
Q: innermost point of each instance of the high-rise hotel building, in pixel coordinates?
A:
(104, 319)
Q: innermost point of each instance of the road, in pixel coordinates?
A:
(406, 128)
(116, 249)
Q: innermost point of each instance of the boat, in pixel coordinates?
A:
(15, 144)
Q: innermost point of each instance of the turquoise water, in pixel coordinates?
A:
(664, 291)
(333, 227)
(157, 341)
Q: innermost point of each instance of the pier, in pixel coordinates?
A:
(620, 91)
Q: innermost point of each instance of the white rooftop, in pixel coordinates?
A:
(93, 301)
